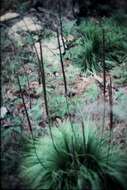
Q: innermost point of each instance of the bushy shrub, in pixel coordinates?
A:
(88, 48)
(81, 159)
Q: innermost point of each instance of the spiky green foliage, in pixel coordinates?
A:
(83, 160)
(88, 48)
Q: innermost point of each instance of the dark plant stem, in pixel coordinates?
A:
(23, 100)
(111, 104)
(69, 115)
(61, 27)
(83, 134)
(66, 91)
(39, 67)
(110, 114)
(28, 120)
(103, 62)
(104, 77)
(45, 93)
(64, 77)
(28, 85)
(43, 80)
(62, 65)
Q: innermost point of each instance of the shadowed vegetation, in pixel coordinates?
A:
(83, 160)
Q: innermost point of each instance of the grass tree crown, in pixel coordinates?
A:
(83, 160)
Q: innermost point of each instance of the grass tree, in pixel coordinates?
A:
(83, 161)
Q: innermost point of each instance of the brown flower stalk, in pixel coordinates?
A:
(62, 65)
(110, 104)
(104, 78)
(28, 120)
(61, 26)
(42, 71)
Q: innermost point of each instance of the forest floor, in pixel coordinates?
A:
(85, 92)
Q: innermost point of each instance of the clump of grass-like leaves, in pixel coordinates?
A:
(82, 161)
(88, 48)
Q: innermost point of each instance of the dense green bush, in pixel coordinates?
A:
(88, 48)
(81, 159)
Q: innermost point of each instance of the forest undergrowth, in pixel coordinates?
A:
(63, 105)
